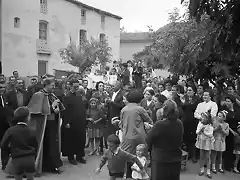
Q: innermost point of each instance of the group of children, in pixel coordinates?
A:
(211, 135)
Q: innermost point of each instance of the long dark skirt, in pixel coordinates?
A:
(165, 170)
(228, 156)
(51, 152)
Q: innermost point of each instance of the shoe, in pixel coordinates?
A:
(201, 173)
(82, 161)
(236, 171)
(3, 168)
(209, 176)
(37, 175)
(56, 171)
(73, 162)
(221, 170)
(214, 171)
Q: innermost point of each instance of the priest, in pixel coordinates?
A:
(45, 110)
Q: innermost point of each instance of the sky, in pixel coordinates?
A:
(138, 14)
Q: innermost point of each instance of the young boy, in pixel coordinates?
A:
(23, 145)
(116, 159)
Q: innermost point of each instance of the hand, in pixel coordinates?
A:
(55, 103)
(147, 125)
(235, 134)
(67, 126)
(98, 170)
(56, 110)
(90, 119)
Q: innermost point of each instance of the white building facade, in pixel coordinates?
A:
(33, 32)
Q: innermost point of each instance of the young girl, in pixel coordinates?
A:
(237, 150)
(23, 145)
(221, 130)
(94, 116)
(204, 142)
(137, 173)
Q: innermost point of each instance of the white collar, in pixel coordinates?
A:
(22, 123)
(116, 151)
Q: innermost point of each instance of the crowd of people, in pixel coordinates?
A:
(140, 119)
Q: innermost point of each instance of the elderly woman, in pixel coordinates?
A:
(134, 119)
(165, 141)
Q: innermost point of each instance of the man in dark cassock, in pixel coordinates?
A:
(45, 110)
(4, 124)
(74, 125)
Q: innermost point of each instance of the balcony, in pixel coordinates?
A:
(83, 21)
(43, 8)
(42, 47)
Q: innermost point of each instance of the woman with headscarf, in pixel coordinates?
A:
(165, 141)
(134, 120)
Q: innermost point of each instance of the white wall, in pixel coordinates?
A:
(128, 49)
(19, 44)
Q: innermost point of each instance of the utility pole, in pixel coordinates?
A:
(1, 36)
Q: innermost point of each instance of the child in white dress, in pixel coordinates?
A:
(221, 130)
(204, 142)
(138, 174)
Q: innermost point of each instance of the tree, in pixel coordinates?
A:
(86, 55)
(190, 46)
(225, 15)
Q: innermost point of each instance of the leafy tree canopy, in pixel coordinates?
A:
(86, 55)
(193, 46)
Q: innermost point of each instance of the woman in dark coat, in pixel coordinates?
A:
(165, 141)
(190, 102)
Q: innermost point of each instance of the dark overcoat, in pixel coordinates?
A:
(73, 138)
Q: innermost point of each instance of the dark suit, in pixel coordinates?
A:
(114, 110)
(88, 94)
(4, 125)
(12, 101)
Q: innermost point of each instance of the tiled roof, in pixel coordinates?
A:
(139, 36)
(78, 3)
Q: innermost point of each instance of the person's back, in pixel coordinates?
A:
(132, 121)
(167, 146)
(22, 141)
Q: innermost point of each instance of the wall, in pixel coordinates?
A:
(19, 44)
(128, 49)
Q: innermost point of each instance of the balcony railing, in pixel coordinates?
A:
(83, 21)
(42, 47)
(43, 9)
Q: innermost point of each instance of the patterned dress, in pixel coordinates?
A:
(95, 130)
(205, 139)
(219, 143)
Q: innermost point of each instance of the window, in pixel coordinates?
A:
(42, 67)
(43, 27)
(103, 21)
(83, 13)
(43, 6)
(102, 37)
(43, 2)
(83, 16)
(82, 36)
(17, 22)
